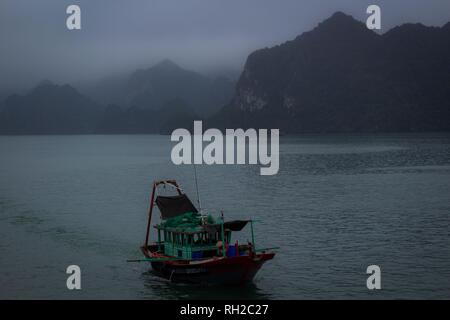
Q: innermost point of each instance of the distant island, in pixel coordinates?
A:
(339, 77)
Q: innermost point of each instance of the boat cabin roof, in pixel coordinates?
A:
(193, 222)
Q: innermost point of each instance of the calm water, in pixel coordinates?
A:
(338, 204)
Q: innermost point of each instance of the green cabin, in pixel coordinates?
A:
(192, 236)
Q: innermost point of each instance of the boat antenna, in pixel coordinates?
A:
(196, 187)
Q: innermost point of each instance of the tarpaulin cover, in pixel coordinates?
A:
(172, 206)
(188, 222)
(235, 225)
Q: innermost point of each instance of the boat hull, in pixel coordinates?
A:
(237, 270)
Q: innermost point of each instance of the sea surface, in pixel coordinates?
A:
(338, 204)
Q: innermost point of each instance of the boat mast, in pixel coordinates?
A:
(150, 210)
(196, 187)
(253, 235)
(222, 231)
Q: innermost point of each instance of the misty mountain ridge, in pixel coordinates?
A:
(152, 100)
(49, 109)
(153, 87)
(343, 77)
(61, 109)
(338, 77)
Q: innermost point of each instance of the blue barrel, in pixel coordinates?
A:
(231, 251)
(197, 255)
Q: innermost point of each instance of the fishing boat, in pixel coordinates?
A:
(194, 247)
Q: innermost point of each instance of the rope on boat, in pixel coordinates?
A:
(170, 185)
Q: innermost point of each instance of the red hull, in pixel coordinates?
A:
(212, 271)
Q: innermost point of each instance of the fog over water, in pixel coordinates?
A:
(207, 36)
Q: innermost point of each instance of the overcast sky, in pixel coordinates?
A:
(203, 35)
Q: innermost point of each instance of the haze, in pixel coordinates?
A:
(209, 36)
